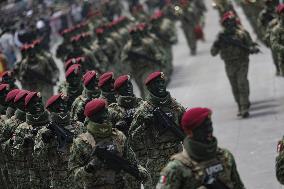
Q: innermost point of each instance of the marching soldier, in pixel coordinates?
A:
(150, 140)
(53, 142)
(276, 39)
(234, 45)
(90, 92)
(89, 163)
(28, 172)
(122, 112)
(73, 86)
(106, 84)
(201, 164)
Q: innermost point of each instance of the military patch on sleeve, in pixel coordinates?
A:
(280, 147)
(163, 179)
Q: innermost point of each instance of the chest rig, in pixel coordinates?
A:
(204, 172)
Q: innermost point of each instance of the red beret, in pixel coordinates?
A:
(54, 99)
(88, 77)
(4, 87)
(157, 15)
(20, 95)
(153, 76)
(120, 81)
(227, 16)
(73, 69)
(99, 31)
(193, 117)
(11, 95)
(94, 106)
(30, 96)
(105, 77)
(69, 63)
(80, 59)
(280, 8)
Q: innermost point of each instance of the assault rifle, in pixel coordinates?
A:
(229, 40)
(64, 136)
(215, 183)
(116, 162)
(168, 124)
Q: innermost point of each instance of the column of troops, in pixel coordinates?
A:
(96, 133)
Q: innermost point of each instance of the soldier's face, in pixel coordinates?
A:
(60, 106)
(93, 85)
(2, 98)
(21, 104)
(100, 117)
(204, 133)
(230, 24)
(158, 87)
(35, 106)
(126, 89)
(74, 80)
(109, 86)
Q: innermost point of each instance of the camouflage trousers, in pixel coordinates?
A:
(188, 31)
(45, 89)
(237, 72)
(276, 62)
(281, 64)
(155, 162)
(61, 179)
(22, 175)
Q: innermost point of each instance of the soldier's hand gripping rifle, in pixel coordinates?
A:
(64, 136)
(168, 124)
(116, 162)
(235, 42)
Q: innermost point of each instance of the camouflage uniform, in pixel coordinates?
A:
(70, 91)
(152, 147)
(277, 45)
(110, 97)
(3, 118)
(141, 67)
(280, 162)
(189, 20)
(267, 20)
(102, 177)
(122, 112)
(28, 173)
(236, 60)
(7, 138)
(46, 150)
(41, 69)
(223, 6)
(191, 168)
(78, 106)
(252, 10)
(101, 57)
(166, 33)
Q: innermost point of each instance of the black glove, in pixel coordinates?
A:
(122, 126)
(47, 136)
(28, 142)
(94, 165)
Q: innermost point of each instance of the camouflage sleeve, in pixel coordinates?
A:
(131, 157)
(77, 162)
(236, 179)
(274, 40)
(216, 47)
(75, 108)
(279, 167)
(113, 114)
(171, 176)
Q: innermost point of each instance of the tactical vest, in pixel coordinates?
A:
(219, 166)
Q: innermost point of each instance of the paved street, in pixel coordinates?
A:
(201, 81)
